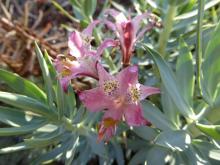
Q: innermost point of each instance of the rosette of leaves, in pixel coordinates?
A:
(48, 121)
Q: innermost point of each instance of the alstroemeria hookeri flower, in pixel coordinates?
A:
(120, 96)
(127, 30)
(83, 59)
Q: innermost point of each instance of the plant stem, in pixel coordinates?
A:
(199, 44)
(106, 55)
(168, 24)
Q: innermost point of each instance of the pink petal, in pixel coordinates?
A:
(113, 113)
(103, 75)
(129, 37)
(147, 91)
(107, 128)
(137, 20)
(86, 67)
(144, 30)
(75, 44)
(133, 115)
(118, 16)
(88, 31)
(94, 99)
(110, 24)
(106, 43)
(126, 77)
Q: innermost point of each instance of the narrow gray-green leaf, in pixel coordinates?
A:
(89, 7)
(170, 83)
(36, 142)
(175, 140)
(147, 133)
(118, 153)
(46, 75)
(60, 100)
(21, 85)
(15, 117)
(26, 104)
(157, 155)
(185, 72)
(169, 107)
(14, 131)
(139, 157)
(14, 148)
(210, 66)
(70, 102)
(156, 117)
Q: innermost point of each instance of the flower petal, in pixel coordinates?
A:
(94, 99)
(103, 75)
(147, 91)
(107, 128)
(86, 67)
(137, 20)
(106, 43)
(113, 113)
(110, 25)
(127, 77)
(118, 16)
(75, 44)
(144, 30)
(133, 115)
(88, 31)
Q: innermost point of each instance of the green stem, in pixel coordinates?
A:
(64, 12)
(199, 44)
(106, 55)
(168, 24)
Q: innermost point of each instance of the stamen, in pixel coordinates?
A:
(134, 93)
(110, 86)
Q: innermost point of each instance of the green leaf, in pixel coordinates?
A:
(170, 83)
(156, 155)
(208, 151)
(60, 100)
(210, 66)
(211, 130)
(118, 153)
(46, 76)
(175, 140)
(14, 148)
(185, 72)
(156, 117)
(27, 104)
(97, 147)
(70, 102)
(89, 7)
(51, 67)
(139, 157)
(15, 117)
(169, 107)
(71, 149)
(38, 142)
(24, 129)
(215, 154)
(22, 86)
(146, 133)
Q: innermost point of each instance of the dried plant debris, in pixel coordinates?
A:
(22, 23)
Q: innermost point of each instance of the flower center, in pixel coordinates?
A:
(134, 93)
(110, 86)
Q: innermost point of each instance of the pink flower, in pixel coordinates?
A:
(120, 96)
(127, 30)
(83, 59)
